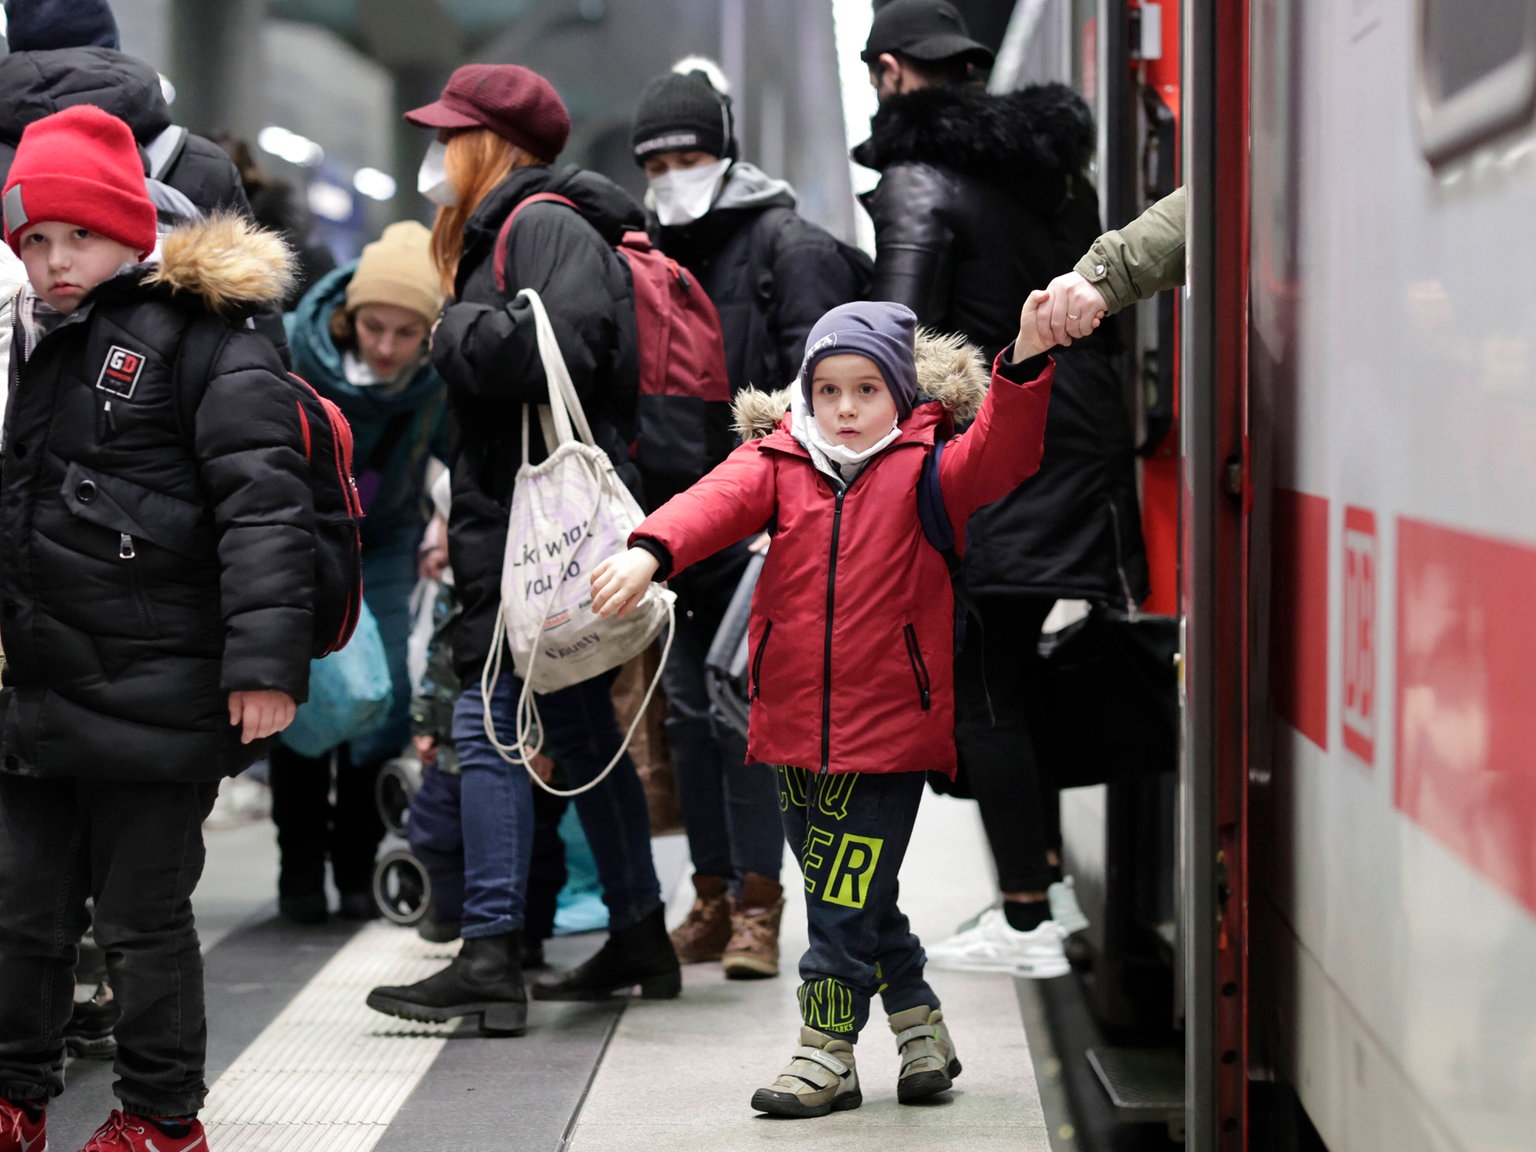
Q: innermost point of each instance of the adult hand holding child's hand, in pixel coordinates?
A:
(619, 582)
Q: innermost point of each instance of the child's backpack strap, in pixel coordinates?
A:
(202, 342)
(499, 258)
(934, 518)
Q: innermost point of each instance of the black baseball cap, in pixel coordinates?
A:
(923, 30)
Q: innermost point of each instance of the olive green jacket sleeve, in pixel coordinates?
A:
(1141, 259)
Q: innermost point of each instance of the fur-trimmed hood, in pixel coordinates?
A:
(232, 266)
(1018, 138)
(950, 372)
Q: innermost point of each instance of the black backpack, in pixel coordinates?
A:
(338, 507)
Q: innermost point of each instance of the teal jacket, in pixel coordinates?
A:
(398, 514)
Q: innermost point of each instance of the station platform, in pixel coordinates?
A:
(298, 1062)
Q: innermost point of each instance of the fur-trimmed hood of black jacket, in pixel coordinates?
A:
(156, 521)
(1027, 139)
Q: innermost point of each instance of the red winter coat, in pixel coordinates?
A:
(852, 631)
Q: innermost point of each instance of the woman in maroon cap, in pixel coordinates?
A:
(499, 127)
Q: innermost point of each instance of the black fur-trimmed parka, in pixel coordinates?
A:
(982, 200)
(156, 531)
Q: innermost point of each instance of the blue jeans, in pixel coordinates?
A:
(730, 808)
(581, 735)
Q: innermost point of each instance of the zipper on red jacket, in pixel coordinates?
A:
(826, 656)
(919, 669)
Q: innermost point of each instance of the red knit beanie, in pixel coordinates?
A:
(80, 166)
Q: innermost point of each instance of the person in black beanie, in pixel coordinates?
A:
(42, 25)
(66, 52)
(771, 274)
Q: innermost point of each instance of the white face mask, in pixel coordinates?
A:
(683, 195)
(432, 178)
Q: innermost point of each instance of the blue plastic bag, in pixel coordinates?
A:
(349, 693)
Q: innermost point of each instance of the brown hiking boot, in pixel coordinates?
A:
(703, 935)
(753, 950)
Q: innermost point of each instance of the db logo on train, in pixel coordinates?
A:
(1360, 633)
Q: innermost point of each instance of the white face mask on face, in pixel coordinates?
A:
(432, 178)
(684, 195)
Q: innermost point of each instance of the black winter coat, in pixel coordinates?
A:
(38, 84)
(156, 532)
(487, 351)
(981, 201)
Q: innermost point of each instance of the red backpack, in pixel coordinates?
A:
(338, 519)
(683, 398)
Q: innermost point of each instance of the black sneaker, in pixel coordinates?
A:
(88, 1035)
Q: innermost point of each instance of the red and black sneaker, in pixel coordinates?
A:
(126, 1132)
(23, 1127)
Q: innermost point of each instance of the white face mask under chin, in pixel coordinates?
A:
(432, 178)
(684, 195)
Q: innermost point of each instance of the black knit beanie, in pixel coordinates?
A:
(41, 25)
(683, 114)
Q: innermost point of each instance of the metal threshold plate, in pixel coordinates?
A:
(1144, 1084)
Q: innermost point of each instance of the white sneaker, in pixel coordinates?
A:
(992, 946)
(1065, 909)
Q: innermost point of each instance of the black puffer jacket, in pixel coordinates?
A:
(487, 351)
(156, 535)
(981, 201)
(38, 84)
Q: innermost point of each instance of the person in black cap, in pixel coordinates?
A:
(982, 198)
(918, 43)
(771, 274)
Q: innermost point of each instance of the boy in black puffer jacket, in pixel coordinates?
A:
(156, 589)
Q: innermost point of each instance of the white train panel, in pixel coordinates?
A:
(1401, 832)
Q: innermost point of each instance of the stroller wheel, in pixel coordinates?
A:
(401, 886)
(397, 784)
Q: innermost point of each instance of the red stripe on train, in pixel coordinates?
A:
(1466, 727)
(1299, 631)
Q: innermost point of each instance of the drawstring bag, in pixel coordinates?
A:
(569, 512)
(349, 693)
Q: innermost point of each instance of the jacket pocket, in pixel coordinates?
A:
(919, 669)
(757, 662)
(136, 513)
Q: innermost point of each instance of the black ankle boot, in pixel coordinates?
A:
(640, 954)
(484, 980)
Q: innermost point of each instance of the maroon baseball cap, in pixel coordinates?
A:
(514, 102)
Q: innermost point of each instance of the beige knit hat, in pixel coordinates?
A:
(397, 269)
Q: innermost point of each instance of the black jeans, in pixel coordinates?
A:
(310, 827)
(850, 832)
(137, 851)
(996, 753)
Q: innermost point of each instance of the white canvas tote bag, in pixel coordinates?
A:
(569, 512)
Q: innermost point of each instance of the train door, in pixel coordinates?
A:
(1215, 504)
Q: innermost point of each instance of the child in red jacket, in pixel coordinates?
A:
(852, 641)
